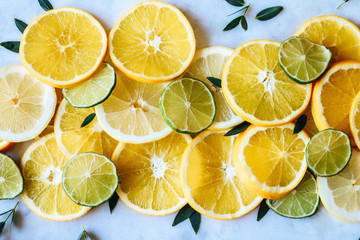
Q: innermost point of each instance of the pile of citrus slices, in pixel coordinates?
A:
(162, 124)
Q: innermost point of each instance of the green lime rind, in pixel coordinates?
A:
(325, 163)
(301, 202)
(303, 61)
(181, 95)
(11, 179)
(106, 182)
(77, 96)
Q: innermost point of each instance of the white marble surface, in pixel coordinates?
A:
(208, 18)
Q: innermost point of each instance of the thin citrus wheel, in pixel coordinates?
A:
(152, 42)
(258, 90)
(355, 119)
(63, 47)
(149, 174)
(11, 180)
(42, 165)
(209, 62)
(209, 179)
(26, 105)
(270, 161)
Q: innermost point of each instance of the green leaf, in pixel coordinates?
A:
(45, 4)
(88, 119)
(243, 23)
(183, 214)
(342, 3)
(215, 81)
(84, 236)
(241, 9)
(11, 45)
(300, 123)
(195, 220)
(263, 209)
(237, 3)
(20, 25)
(2, 226)
(113, 201)
(233, 24)
(238, 129)
(269, 13)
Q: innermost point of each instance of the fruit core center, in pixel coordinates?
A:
(187, 104)
(303, 57)
(158, 166)
(355, 184)
(52, 175)
(230, 171)
(267, 78)
(153, 42)
(2, 179)
(139, 103)
(15, 100)
(64, 42)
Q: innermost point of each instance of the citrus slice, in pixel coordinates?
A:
(149, 174)
(42, 165)
(152, 42)
(302, 60)
(26, 105)
(11, 180)
(188, 106)
(209, 179)
(328, 152)
(333, 95)
(63, 47)
(258, 90)
(355, 119)
(270, 161)
(338, 34)
(5, 146)
(94, 90)
(90, 179)
(209, 62)
(301, 202)
(310, 126)
(339, 193)
(74, 139)
(131, 113)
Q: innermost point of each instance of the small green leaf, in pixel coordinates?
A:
(195, 220)
(237, 3)
(11, 45)
(84, 235)
(183, 214)
(113, 201)
(20, 25)
(238, 129)
(233, 24)
(2, 226)
(342, 3)
(243, 23)
(88, 119)
(215, 81)
(45, 4)
(300, 123)
(269, 13)
(263, 209)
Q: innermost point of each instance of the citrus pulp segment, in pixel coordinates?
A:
(209, 179)
(355, 119)
(11, 180)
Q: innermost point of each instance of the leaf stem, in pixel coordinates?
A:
(12, 212)
(342, 3)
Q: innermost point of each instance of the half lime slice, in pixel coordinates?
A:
(11, 180)
(90, 179)
(302, 60)
(93, 91)
(328, 152)
(301, 202)
(188, 106)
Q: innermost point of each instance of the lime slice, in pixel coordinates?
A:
(302, 60)
(11, 180)
(188, 106)
(93, 91)
(301, 202)
(90, 179)
(328, 152)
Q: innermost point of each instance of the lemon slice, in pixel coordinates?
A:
(26, 105)
(333, 95)
(131, 113)
(209, 62)
(355, 119)
(11, 180)
(42, 165)
(339, 193)
(63, 47)
(74, 139)
(149, 174)
(5, 146)
(258, 90)
(90, 179)
(93, 91)
(152, 42)
(209, 179)
(338, 34)
(270, 161)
